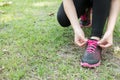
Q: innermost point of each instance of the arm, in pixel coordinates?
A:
(72, 16)
(113, 15)
(107, 39)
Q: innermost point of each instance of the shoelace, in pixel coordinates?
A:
(92, 44)
(84, 17)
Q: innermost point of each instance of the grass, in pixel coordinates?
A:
(33, 46)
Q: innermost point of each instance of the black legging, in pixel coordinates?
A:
(100, 13)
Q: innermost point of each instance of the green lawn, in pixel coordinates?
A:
(33, 46)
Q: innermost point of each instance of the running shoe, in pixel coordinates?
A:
(92, 55)
(85, 19)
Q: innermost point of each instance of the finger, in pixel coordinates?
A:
(86, 39)
(101, 41)
(80, 44)
(102, 46)
(106, 46)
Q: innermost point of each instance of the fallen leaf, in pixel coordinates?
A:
(51, 14)
(2, 68)
(2, 12)
(5, 3)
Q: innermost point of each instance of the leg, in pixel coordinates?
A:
(80, 6)
(92, 55)
(100, 13)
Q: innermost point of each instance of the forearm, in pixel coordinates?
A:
(71, 14)
(113, 15)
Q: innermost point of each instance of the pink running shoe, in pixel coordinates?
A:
(85, 19)
(92, 56)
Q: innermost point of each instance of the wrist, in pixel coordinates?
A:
(110, 31)
(77, 29)
(108, 34)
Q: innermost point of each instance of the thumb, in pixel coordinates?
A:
(84, 39)
(101, 41)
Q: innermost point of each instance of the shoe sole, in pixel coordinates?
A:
(89, 65)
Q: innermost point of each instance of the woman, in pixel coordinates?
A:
(69, 13)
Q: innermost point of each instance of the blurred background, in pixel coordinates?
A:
(33, 46)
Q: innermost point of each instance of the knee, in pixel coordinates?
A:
(62, 21)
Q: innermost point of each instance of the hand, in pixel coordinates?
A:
(106, 41)
(80, 39)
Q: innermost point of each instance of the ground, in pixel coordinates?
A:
(33, 46)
